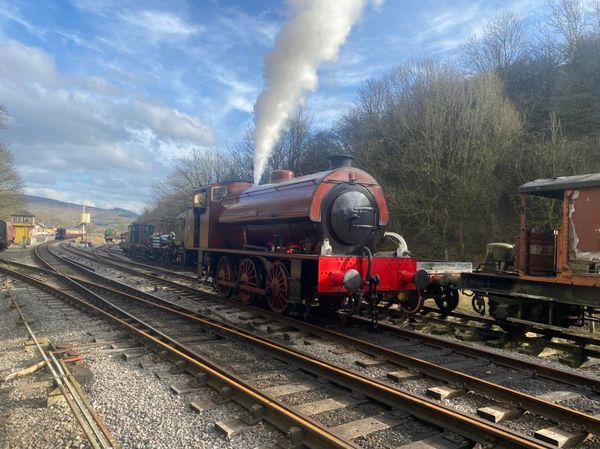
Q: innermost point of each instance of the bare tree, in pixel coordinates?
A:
(569, 20)
(554, 154)
(503, 43)
(436, 141)
(596, 15)
(200, 167)
(319, 147)
(11, 184)
(242, 154)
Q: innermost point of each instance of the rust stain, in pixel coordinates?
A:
(584, 223)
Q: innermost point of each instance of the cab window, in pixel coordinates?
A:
(218, 193)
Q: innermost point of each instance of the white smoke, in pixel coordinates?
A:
(313, 35)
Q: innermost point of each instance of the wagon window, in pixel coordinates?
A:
(218, 193)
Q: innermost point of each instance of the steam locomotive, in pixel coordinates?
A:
(61, 234)
(296, 241)
(65, 234)
(300, 240)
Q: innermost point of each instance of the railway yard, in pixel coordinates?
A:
(300, 224)
(143, 356)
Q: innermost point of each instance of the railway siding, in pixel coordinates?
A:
(288, 335)
(323, 370)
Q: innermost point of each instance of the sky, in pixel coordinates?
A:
(103, 94)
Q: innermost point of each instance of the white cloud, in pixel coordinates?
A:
(244, 29)
(77, 127)
(159, 25)
(11, 13)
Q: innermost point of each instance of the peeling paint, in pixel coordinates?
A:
(584, 225)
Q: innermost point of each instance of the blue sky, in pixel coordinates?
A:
(103, 94)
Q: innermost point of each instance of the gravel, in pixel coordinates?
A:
(304, 397)
(254, 361)
(138, 408)
(412, 430)
(348, 414)
(25, 420)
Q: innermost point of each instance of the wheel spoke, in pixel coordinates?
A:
(248, 276)
(277, 283)
(224, 273)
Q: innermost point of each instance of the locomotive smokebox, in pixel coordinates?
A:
(340, 161)
(281, 175)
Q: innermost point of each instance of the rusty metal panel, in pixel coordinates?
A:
(540, 250)
(584, 225)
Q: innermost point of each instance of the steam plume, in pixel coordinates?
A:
(313, 35)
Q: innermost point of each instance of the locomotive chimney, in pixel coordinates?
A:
(281, 175)
(340, 161)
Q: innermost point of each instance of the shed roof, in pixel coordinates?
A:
(22, 213)
(554, 187)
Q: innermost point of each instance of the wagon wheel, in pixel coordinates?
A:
(224, 275)
(447, 300)
(478, 303)
(278, 287)
(248, 275)
(413, 303)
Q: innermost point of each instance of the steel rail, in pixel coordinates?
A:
(121, 266)
(501, 334)
(590, 424)
(539, 328)
(96, 433)
(552, 410)
(498, 392)
(578, 420)
(278, 414)
(470, 427)
(154, 268)
(556, 374)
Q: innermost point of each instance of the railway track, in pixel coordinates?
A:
(579, 346)
(456, 382)
(584, 346)
(393, 398)
(63, 380)
(79, 293)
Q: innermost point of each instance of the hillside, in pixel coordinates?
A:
(59, 213)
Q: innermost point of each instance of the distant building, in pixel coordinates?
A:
(23, 224)
(42, 230)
